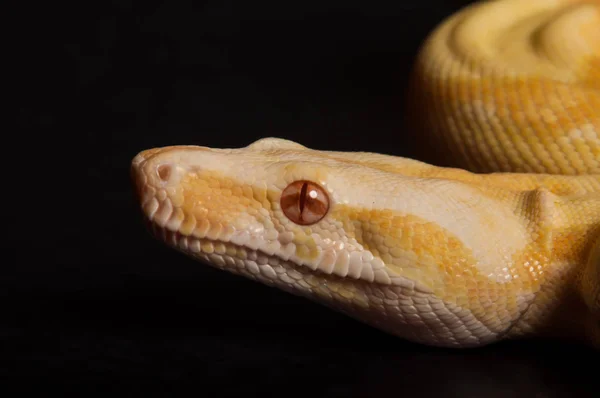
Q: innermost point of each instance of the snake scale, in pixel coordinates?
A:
(502, 244)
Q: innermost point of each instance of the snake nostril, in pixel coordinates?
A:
(164, 172)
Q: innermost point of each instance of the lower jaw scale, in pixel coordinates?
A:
(215, 244)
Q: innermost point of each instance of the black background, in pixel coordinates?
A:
(92, 304)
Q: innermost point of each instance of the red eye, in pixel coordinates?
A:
(304, 202)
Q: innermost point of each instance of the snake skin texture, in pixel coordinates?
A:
(503, 245)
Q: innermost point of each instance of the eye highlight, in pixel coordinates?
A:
(304, 202)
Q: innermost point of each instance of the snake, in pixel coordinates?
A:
(501, 243)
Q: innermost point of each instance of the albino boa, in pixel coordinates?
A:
(436, 255)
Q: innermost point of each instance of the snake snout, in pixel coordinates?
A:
(148, 172)
(155, 167)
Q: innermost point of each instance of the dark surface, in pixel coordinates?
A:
(93, 305)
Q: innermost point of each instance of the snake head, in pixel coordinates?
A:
(366, 234)
(267, 211)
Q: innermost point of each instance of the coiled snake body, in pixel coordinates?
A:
(504, 244)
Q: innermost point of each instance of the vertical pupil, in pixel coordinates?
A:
(303, 198)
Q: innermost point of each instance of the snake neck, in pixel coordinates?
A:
(565, 234)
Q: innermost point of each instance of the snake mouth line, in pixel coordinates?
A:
(258, 265)
(331, 290)
(242, 260)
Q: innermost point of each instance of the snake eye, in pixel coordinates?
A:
(304, 202)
